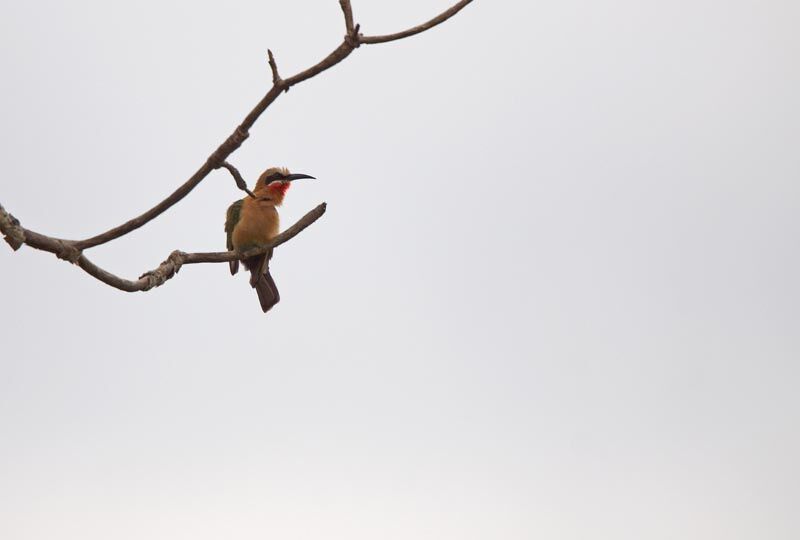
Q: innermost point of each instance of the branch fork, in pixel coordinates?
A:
(68, 252)
(353, 38)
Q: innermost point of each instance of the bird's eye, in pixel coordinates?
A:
(274, 176)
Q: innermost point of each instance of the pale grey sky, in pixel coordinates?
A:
(555, 294)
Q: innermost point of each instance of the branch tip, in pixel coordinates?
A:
(276, 78)
(439, 19)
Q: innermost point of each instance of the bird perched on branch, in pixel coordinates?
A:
(254, 221)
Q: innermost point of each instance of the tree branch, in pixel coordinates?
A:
(273, 66)
(12, 232)
(237, 177)
(72, 250)
(65, 250)
(240, 134)
(439, 19)
(347, 10)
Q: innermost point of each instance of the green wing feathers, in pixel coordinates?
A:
(231, 219)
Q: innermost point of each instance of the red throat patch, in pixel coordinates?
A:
(279, 188)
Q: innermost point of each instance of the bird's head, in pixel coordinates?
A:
(273, 184)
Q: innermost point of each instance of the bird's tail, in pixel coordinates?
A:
(261, 280)
(268, 293)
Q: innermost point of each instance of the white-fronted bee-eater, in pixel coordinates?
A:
(253, 221)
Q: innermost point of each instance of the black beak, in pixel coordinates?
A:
(297, 177)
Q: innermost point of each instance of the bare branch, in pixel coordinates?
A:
(417, 29)
(347, 9)
(237, 177)
(276, 78)
(66, 250)
(72, 250)
(220, 154)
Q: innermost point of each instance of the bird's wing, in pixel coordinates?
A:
(231, 219)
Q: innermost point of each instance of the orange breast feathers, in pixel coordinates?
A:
(258, 223)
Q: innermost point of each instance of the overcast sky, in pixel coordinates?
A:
(555, 294)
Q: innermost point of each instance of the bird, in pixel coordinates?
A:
(254, 221)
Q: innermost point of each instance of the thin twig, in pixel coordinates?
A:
(237, 177)
(417, 29)
(276, 78)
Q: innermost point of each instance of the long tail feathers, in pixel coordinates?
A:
(268, 294)
(261, 280)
